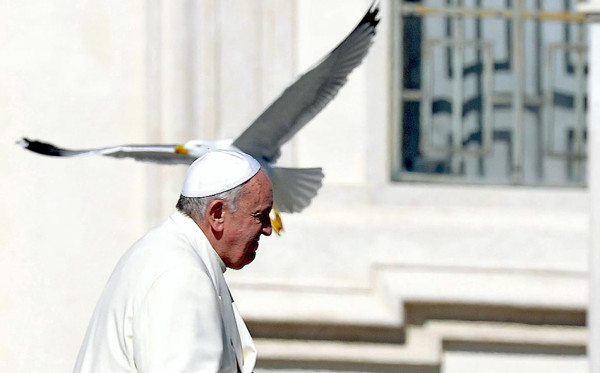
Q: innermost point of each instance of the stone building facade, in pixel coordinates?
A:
(386, 271)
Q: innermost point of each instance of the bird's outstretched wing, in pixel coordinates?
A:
(305, 98)
(166, 154)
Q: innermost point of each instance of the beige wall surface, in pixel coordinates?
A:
(71, 73)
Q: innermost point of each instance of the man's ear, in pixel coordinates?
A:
(214, 212)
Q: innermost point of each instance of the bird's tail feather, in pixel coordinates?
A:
(294, 188)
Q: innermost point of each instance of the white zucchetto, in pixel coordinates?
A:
(218, 171)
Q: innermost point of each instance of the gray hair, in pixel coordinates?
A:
(196, 206)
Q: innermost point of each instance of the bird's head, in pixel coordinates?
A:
(196, 148)
(199, 147)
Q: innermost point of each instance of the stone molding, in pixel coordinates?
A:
(407, 316)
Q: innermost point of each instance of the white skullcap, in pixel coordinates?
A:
(218, 171)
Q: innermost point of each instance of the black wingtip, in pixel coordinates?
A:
(371, 16)
(39, 147)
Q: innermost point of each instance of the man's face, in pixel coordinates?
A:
(244, 226)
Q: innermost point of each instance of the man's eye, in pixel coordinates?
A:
(261, 216)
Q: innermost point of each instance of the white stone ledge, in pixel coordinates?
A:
(424, 344)
(420, 352)
(381, 302)
(437, 195)
(486, 332)
(566, 290)
(481, 196)
(303, 305)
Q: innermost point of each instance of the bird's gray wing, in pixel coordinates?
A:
(164, 154)
(305, 98)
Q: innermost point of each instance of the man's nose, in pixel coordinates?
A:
(267, 228)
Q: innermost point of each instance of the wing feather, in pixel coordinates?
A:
(306, 97)
(164, 154)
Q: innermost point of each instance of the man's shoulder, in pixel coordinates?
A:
(158, 251)
(163, 249)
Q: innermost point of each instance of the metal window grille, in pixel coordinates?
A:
(489, 92)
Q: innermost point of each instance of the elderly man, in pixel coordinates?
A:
(166, 307)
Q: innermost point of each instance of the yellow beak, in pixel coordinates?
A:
(181, 149)
(276, 222)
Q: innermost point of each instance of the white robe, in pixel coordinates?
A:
(167, 308)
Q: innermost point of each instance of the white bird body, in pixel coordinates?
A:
(293, 188)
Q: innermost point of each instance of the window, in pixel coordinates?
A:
(489, 92)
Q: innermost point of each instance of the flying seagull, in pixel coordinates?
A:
(293, 188)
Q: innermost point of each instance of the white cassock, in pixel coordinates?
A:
(167, 308)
